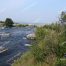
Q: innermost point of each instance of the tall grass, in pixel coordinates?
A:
(49, 48)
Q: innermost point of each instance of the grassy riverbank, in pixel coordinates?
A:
(49, 48)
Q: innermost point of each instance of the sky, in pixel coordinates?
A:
(32, 11)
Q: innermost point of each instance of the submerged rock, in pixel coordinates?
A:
(2, 49)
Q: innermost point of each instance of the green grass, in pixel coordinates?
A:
(48, 48)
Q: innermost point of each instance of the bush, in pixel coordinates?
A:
(8, 22)
(61, 63)
(39, 54)
(22, 25)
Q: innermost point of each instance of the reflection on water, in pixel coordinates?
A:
(15, 43)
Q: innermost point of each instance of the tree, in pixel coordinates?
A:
(8, 22)
(63, 17)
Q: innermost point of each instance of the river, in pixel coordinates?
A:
(15, 43)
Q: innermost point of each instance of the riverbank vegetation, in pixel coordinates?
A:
(49, 48)
(1, 23)
(8, 23)
(21, 25)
